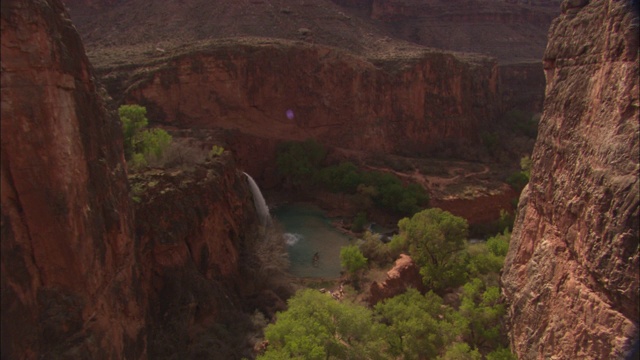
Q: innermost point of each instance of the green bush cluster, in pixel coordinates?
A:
(407, 326)
(522, 122)
(520, 179)
(410, 325)
(215, 151)
(300, 162)
(436, 240)
(374, 187)
(141, 145)
(352, 259)
(302, 165)
(374, 249)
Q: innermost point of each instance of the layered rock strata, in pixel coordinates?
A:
(69, 271)
(193, 227)
(415, 105)
(571, 274)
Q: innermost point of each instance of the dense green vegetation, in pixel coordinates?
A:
(352, 260)
(302, 165)
(436, 240)
(412, 325)
(300, 162)
(522, 122)
(141, 145)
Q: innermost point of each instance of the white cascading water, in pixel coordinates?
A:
(258, 200)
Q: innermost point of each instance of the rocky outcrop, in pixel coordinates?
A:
(480, 209)
(69, 272)
(414, 104)
(571, 274)
(404, 274)
(80, 279)
(193, 227)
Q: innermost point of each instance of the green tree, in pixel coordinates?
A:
(351, 259)
(134, 119)
(525, 166)
(317, 327)
(344, 177)
(215, 151)
(436, 241)
(418, 326)
(519, 179)
(461, 351)
(499, 244)
(486, 259)
(153, 142)
(482, 308)
(141, 144)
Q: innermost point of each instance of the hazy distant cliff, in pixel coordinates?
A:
(571, 275)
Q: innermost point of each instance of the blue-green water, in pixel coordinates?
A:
(308, 231)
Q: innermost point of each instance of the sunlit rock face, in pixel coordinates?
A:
(571, 275)
(68, 260)
(405, 274)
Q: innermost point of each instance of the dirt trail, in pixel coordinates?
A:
(431, 182)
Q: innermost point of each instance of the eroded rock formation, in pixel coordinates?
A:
(68, 258)
(193, 228)
(404, 274)
(571, 275)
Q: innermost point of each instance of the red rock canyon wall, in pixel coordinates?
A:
(68, 259)
(415, 107)
(571, 275)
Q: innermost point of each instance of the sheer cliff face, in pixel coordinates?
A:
(415, 106)
(68, 265)
(571, 275)
(190, 225)
(76, 282)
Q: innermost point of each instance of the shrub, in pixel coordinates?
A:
(317, 327)
(525, 166)
(359, 222)
(133, 119)
(351, 259)
(374, 249)
(215, 151)
(437, 241)
(141, 145)
(300, 161)
(343, 177)
(520, 179)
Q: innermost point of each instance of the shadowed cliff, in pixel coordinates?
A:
(68, 259)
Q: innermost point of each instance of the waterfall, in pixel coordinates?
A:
(258, 200)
